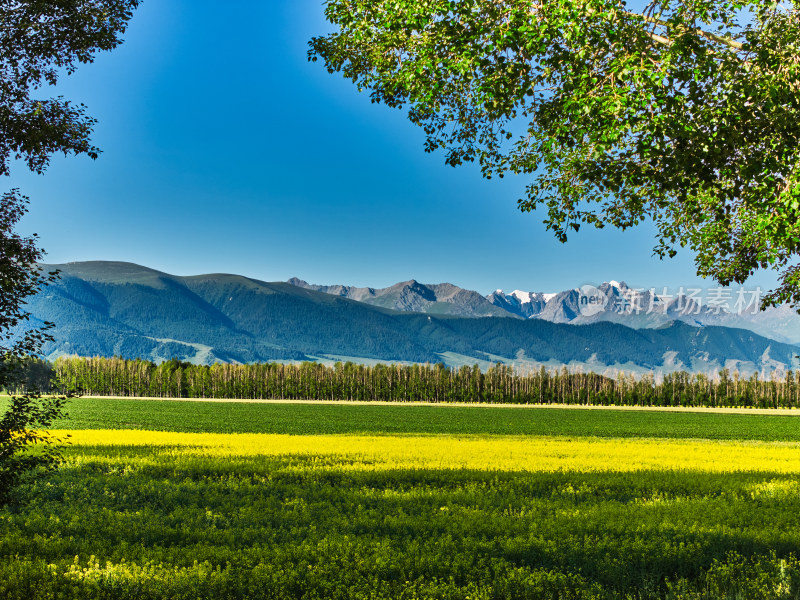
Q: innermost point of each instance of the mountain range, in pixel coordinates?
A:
(412, 296)
(115, 308)
(636, 308)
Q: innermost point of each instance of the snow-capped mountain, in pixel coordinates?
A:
(612, 301)
(522, 304)
(103, 308)
(646, 309)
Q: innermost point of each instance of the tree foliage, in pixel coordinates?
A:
(20, 278)
(39, 41)
(427, 383)
(686, 113)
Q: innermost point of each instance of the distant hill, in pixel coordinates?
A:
(412, 296)
(522, 304)
(114, 308)
(781, 323)
(110, 308)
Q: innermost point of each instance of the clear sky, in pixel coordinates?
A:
(224, 150)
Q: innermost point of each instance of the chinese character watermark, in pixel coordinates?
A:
(712, 302)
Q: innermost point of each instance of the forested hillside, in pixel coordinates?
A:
(121, 309)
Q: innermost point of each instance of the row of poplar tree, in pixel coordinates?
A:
(414, 382)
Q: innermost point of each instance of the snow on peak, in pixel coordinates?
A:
(526, 297)
(614, 283)
(523, 297)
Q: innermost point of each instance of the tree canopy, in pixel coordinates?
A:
(20, 278)
(40, 40)
(685, 113)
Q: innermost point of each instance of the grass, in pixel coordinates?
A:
(151, 515)
(300, 419)
(236, 501)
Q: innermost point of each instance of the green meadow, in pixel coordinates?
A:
(311, 419)
(188, 500)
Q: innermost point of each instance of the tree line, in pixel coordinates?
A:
(407, 383)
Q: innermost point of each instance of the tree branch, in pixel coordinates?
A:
(728, 41)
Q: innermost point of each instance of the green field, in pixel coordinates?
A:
(219, 417)
(408, 502)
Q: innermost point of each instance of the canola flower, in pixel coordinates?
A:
(506, 453)
(154, 514)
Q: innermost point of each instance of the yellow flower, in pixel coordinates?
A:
(500, 453)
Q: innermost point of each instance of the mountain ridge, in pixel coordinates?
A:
(620, 306)
(122, 309)
(413, 296)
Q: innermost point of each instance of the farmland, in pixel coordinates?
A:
(203, 500)
(239, 417)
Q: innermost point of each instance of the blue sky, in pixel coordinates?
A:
(224, 150)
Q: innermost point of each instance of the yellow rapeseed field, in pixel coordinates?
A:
(510, 453)
(158, 514)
